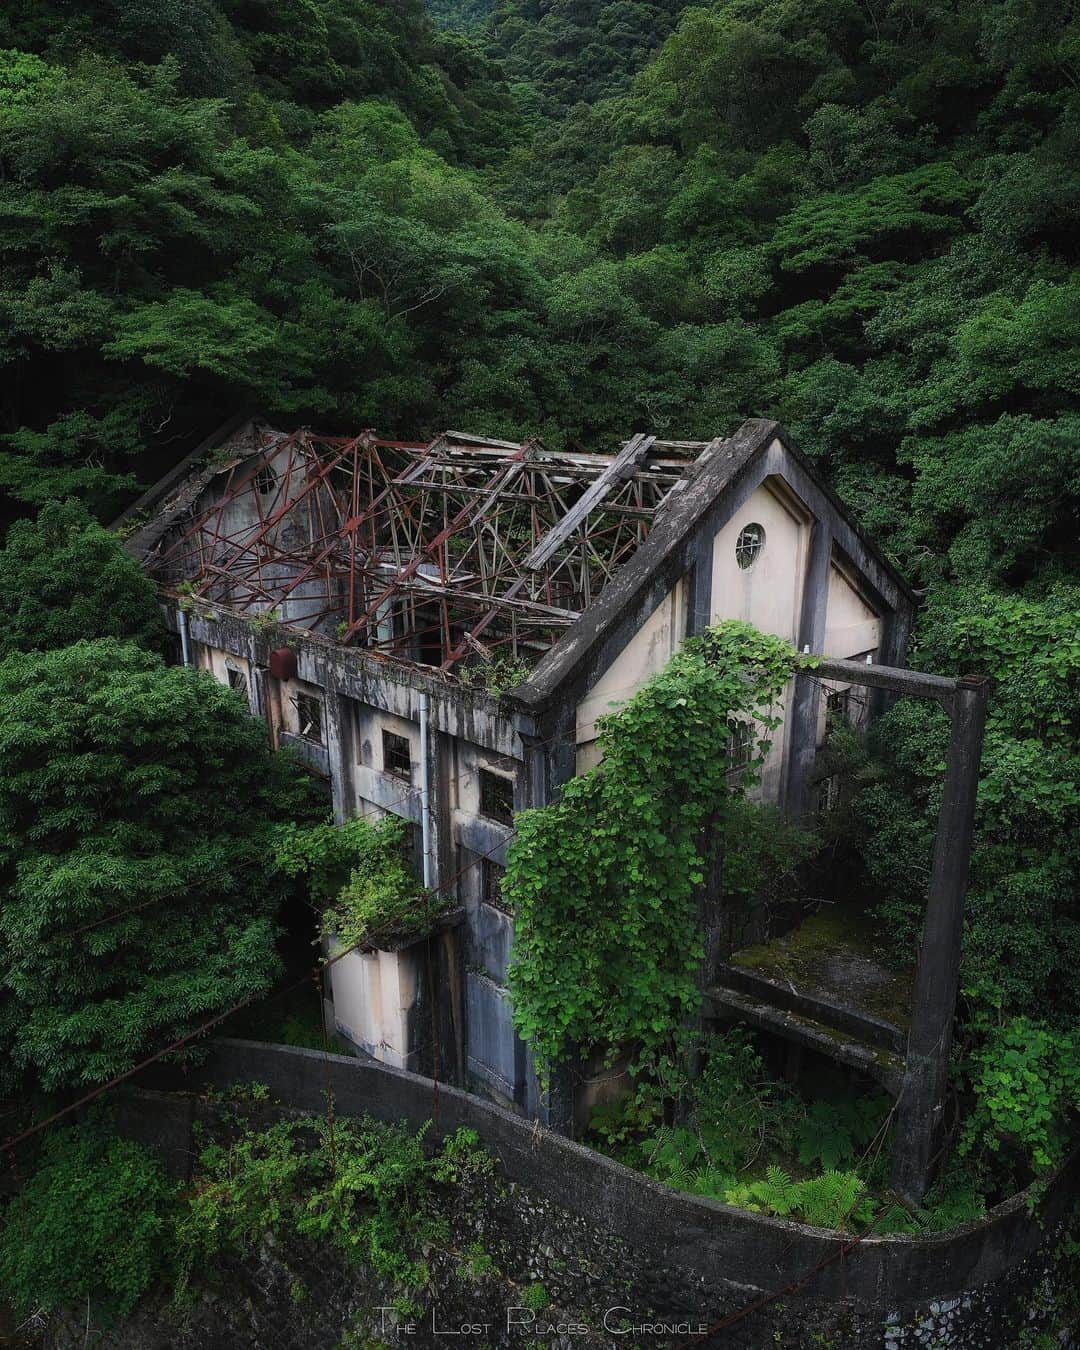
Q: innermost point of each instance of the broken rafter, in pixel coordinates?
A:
(415, 548)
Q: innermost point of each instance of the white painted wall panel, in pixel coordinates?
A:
(645, 655)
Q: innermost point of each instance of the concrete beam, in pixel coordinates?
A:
(914, 683)
(921, 1106)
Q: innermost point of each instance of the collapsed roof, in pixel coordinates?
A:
(460, 551)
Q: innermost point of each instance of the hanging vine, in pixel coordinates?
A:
(605, 882)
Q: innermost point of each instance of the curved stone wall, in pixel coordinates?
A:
(976, 1285)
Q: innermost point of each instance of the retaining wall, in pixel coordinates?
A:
(663, 1254)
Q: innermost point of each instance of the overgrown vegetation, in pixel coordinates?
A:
(63, 578)
(100, 1222)
(367, 1188)
(138, 805)
(94, 1222)
(606, 883)
(361, 876)
(738, 1133)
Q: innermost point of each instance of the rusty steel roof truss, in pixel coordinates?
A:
(457, 551)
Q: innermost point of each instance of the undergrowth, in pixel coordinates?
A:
(100, 1223)
(741, 1135)
(95, 1220)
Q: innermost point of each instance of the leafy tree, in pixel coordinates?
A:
(63, 578)
(93, 1222)
(138, 891)
(1022, 922)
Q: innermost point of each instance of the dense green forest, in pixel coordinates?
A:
(575, 220)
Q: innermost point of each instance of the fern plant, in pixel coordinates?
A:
(831, 1200)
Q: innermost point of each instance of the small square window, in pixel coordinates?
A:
(237, 680)
(740, 745)
(491, 875)
(265, 481)
(309, 718)
(496, 797)
(397, 756)
(837, 708)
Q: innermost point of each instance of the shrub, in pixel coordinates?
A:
(94, 1222)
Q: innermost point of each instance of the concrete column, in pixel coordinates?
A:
(532, 788)
(338, 752)
(920, 1107)
(801, 732)
(260, 699)
(561, 729)
(699, 588)
(895, 630)
(440, 771)
(447, 970)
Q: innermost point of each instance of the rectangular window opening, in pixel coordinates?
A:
(491, 875)
(837, 709)
(397, 755)
(496, 797)
(237, 680)
(828, 794)
(309, 718)
(741, 745)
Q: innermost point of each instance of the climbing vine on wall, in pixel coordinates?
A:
(605, 883)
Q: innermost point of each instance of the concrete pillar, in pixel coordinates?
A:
(533, 788)
(920, 1107)
(801, 735)
(561, 732)
(338, 751)
(699, 589)
(550, 761)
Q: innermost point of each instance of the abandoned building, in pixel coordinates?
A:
(437, 627)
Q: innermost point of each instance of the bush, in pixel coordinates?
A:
(1027, 1094)
(95, 1222)
(367, 1188)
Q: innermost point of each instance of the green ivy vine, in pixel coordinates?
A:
(605, 882)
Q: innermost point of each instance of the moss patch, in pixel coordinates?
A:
(835, 954)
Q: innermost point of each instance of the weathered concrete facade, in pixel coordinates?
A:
(364, 651)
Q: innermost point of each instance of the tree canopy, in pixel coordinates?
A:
(137, 808)
(64, 578)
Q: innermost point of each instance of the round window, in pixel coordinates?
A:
(749, 544)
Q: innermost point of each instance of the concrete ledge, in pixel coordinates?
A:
(715, 1241)
(854, 1021)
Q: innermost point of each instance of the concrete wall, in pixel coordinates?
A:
(772, 594)
(262, 485)
(598, 1234)
(376, 997)
(218, 663)
(769, 593)
(853, 631)
(852, 624)
(645, 655)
